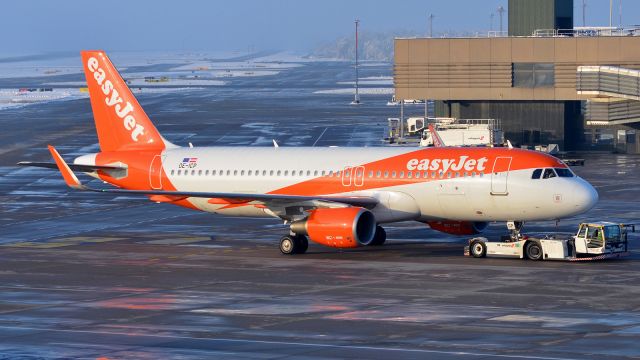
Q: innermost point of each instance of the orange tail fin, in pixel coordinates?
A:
(121, 123)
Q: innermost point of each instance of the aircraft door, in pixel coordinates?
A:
(155, 172)
(347, 173)
(358, 179)
(499, 176)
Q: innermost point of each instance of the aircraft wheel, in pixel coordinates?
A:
(287, 245)
(478, 249)
(534, 251)
(380, 237)
(301, 243)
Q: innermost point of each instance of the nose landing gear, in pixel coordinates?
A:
(514, 230)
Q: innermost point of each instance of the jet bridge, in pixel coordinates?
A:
(614, 91)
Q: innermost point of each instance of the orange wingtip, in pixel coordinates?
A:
(68, 175)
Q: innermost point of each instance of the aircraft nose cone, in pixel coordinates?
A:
(585, 196)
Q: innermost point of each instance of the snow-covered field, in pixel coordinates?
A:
(12, 98)
(352, 91)
(371, 80)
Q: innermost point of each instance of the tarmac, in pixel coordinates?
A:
(95, 276)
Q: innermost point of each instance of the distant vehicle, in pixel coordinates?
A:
(454, 132)
(337, 197)
(464, 132)
(394, 102)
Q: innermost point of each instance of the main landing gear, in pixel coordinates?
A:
(294, 244)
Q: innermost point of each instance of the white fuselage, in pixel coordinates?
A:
(405, 193)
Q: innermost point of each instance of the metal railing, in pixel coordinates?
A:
(588, 31)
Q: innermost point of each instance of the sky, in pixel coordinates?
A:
(33, 26)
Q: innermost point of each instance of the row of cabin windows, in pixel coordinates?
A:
(347, 173)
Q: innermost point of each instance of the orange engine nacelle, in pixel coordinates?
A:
(459, 227)
(339, 227)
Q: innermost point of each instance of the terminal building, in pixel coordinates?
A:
(545, 80)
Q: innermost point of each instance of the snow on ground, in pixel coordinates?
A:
(176, 82)
(371, 80)
(234, 65)
(11, 98)
(71, 64)
(245, 73)
(352, 91)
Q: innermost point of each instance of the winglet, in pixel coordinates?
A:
(68, 175)
(437, 140)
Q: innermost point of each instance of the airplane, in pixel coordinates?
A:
(334, 196)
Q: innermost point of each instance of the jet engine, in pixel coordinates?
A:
(338, 227)
(459, 227)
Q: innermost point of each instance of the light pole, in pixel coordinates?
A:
(431, 16)
(500, 11)
(356, 99)
(491, 21)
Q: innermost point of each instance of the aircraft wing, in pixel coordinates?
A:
(232, 198)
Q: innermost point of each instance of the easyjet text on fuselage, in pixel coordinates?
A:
(463, 163)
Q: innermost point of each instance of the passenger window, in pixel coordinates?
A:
(346, 173)
(417, 174)
(271, 173)
(386, 174)
(308, 172)
(448, 175)
(173, 171)
(179, 172)
(286, 173)
(330, 173)
(359, 173)
(235, 172)
(193, 172)
(409, 175)
(213, 172)
(563, 172)
(242, 173)
(378, 173)
(536, 174)
(441, 174)
(249, 173)
(315, 173)
(548, 174)
(370, 173)
(206, 172)
(323, 172)
(393, 174)
(199, 172)
(401, 174)
(279, 172)
(457, 174)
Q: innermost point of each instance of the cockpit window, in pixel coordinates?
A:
(548, 174)
(536, 174)
(564, 172)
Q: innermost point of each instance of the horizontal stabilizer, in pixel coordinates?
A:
(74, 167)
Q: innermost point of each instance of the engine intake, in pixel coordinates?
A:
(338, 227)
(459, 227)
